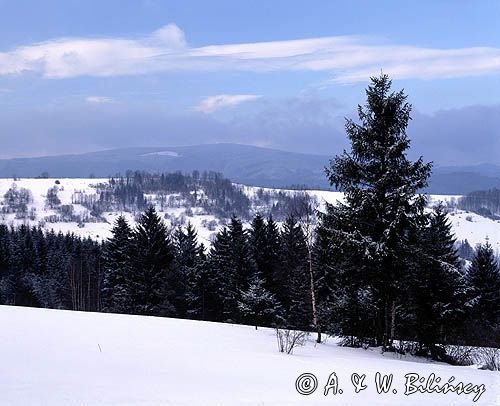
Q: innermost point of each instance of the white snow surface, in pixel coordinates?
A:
(162, 153)
(55, 357)
(470, 226)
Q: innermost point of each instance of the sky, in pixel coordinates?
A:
(79, 76)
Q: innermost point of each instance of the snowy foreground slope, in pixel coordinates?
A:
(53, 357)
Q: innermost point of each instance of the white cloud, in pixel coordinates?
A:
(349, 58)
(213, 103)
(98, 99)
(170, 36)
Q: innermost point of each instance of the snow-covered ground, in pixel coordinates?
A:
(54, 357)
(66, 189)
(466, 225)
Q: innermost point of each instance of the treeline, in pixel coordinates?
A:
(483, 202)
(196, 193)
(264, 276)
(139, 189)
(208, 190)
(49, 270)
(257, 276)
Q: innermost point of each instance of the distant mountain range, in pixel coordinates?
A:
(241, 163)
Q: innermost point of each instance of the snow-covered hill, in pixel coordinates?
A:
(39, 212)
(470, 226)
(54, 357)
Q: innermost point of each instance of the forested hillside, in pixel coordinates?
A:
(88, 207)
(482, 202)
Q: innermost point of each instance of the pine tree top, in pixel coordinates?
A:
(377, 160)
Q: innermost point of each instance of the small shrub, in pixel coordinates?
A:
(289, 339)
(461, 355)
(489, 358)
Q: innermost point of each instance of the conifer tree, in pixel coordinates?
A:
(116, 292)
(230, 267)
(483, 284)
(264, 241)
(294, 277)
(326, 278)
(257, 305)
(221, 295)
(370, 229)
(436, 284)
(190, 272)
(152, 259)
(258, 244)
(242, 259)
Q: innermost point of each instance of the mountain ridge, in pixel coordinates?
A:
(245, 164)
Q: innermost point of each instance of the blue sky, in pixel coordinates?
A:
(88, 75)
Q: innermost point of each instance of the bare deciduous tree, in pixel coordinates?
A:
(305, 213)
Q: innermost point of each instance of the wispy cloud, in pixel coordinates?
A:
(98, 99)
(220, 101)
(349, 58)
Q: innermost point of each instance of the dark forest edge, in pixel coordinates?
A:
(376, 270)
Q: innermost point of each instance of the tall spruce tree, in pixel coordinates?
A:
(221, 296)
(116, 290)
(152, 259)
(370, 229)
(58, 262)
(258, 245)
(243, 263)
(483, 284)
(230, 267)
(436, 283)
(264, 241)
(326, 278)
(190, 270)
(293, 277)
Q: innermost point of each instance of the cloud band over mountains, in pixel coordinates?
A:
(349, 58)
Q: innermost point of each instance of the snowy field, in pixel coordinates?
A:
(470, 226)
(54, 357)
